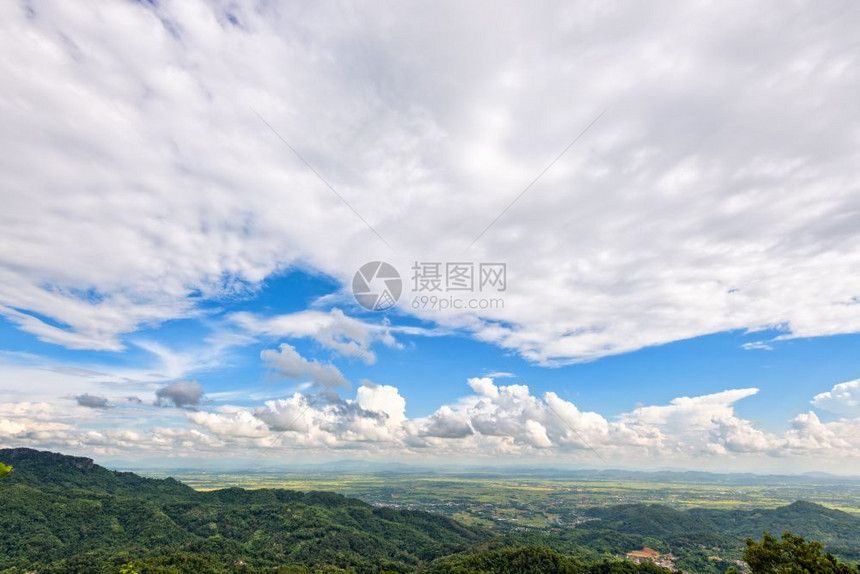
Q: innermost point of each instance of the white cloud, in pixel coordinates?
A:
(376, 415)
(757, 346)
(838, 439)
(179, 363)
(236, 424)
(446, 423)
(484, 386)
(843, 399)
(498, 423)
(383, 399)
(289, 363)
(57, 427)
(11, 428)
(718, 191)
(699, 412)
(535, 434)
(333, 330)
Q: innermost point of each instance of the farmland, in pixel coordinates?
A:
(517, 500)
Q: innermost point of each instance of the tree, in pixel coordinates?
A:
(791, 555)
(4, 470)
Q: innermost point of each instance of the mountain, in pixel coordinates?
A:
(64, 514)
(67, 514)
(53, 471)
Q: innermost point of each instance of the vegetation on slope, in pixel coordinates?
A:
(535, 560)
(690, 529)
(64, 514)
(791, 555)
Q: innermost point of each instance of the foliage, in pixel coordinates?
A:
(4, 470)
(791, 555)
(535, 560)
(65, 514)
(61, 514)
(686, 532)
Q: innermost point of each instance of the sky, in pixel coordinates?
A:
(589, 234)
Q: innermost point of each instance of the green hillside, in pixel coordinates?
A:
(837, 530)
(65, 514)
(535, 560)
(53, 471)
(62, 514)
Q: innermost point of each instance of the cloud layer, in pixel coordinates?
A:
(492, 423)
(717, 192)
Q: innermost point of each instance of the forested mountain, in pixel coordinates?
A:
(66, 514)
(53, 471)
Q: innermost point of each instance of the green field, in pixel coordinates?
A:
(527, 502)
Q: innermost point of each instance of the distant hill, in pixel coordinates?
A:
(838, 531)
(657, 476)
(466, 470)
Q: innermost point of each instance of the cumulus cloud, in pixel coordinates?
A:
(288, 414)
(92, 401)
(506, 421)
(484, 386)
(718, 192)
(55, 427)
(11, 428)
(235, 424)
(383, 399)
(445, 423)
(34, 422)
(289, 363)
(377, 414)
(843, 399)
(179, 394)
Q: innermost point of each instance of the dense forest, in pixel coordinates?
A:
(63, 514)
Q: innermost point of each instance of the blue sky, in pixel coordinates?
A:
(431, 368)
(645, 220)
